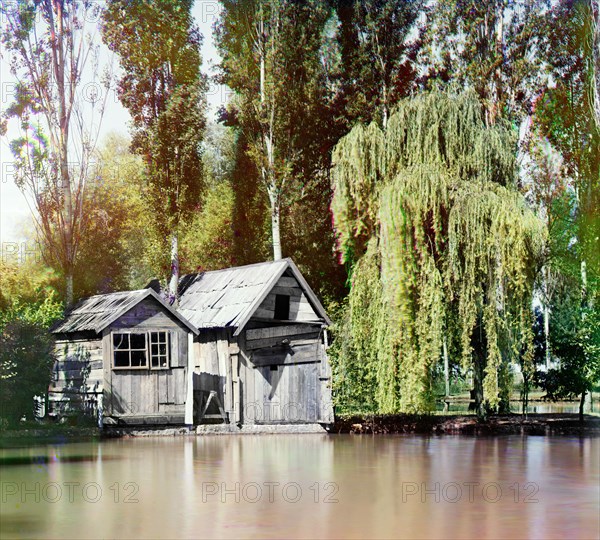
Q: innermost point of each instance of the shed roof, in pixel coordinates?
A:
(229, 297)
(97, 312)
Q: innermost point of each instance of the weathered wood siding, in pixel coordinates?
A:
(77, 378)
(284, 375)
(146, 395)
(147, 315)
(300, 308)
(212, 365)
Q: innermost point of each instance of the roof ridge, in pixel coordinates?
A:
(286, 259)
(85, 298)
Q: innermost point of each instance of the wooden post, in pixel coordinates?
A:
(446, 375)
(235, 372)
(189, 398)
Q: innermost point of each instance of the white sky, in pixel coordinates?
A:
(15, 216)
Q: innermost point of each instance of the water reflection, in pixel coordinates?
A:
(287, 486)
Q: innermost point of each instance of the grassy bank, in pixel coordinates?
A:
(533, 424)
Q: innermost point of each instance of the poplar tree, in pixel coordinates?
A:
(59, 101)
(378, 42)
(492, 47)
(270, 59)
(158, 46)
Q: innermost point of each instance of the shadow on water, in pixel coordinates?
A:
(46, 459)
(14, 526)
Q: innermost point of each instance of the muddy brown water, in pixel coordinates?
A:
(304, 486)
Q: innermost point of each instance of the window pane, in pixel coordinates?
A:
(138, 341)
(121, 358)
(138, 358)
(159, 349)
(121, 341)
(282, 307)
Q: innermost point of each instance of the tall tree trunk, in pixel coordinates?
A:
(58, 51)
(479, 345)
(268, 171)
(174, 281)
(69, 289)
(547, 316)
(581, 406)
(525, 395)
(446, 374)
(275, 217)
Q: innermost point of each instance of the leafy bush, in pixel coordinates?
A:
(26, 359)
(26, 351)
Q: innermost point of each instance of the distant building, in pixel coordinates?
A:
(245, 345)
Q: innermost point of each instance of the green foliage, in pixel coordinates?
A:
(26, 359)
(456, 247)
(28, 295)
(378, 41)
(208, 240)
(28, 307)
(41, 314)
(492, 47)
(274, 59)
(575, 341)
(565, 150)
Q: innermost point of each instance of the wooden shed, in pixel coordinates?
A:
(122, 356)
(246, 345)
(261, 346)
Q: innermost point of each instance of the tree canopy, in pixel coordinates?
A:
(444, 244)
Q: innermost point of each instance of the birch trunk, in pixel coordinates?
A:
(174, 281)
(275, 228)
(268, 170)
(547, 317)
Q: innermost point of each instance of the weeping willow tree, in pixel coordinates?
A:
(443, 250)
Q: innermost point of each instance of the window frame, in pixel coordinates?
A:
(167, 354)
(147, 350)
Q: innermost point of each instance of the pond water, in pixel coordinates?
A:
(304, 486)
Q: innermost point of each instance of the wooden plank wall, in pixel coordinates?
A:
(148, 314)
(284, 375)
(212, 366)
(300, 308)
(147, 396)
(77, 378)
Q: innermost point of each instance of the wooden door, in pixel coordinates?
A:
(286, 393)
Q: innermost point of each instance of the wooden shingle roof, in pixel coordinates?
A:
(228, 298)
(218, 299)
(97, 312)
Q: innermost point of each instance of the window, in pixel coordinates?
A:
(282, 307)
(132, 350)
(159, 350)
